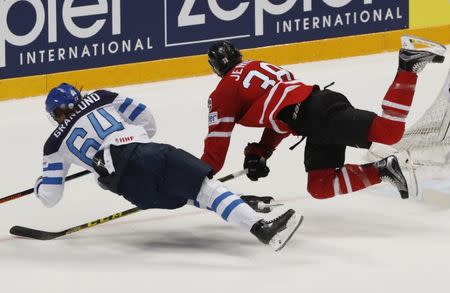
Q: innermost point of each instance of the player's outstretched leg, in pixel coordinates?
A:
(389, 128)
(216, 197)
(327, 183)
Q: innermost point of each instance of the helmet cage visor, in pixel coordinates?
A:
(53, 113)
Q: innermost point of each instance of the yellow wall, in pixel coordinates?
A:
(429, 13)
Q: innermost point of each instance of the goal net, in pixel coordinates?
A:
(425, 146)
(427, 142)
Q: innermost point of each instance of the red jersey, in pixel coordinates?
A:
(250, 94)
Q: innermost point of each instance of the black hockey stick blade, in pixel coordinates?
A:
(31, 190)
(35, 234)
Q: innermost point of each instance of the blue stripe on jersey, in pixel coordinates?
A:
(52, 180)
(231, 207)
(136, 112)
(125, 105)
(219, 199)
(54, 166)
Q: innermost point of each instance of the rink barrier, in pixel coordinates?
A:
(422, 14)
(151, 71)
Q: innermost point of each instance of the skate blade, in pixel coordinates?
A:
(408, 167)
(281, 239)
(411, 181)
(411, 42)
(271, 206)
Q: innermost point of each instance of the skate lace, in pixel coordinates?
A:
(391, 181)
(275, 219)
(388, 179)
(419, 66)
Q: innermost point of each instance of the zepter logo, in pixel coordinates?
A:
(262, 7)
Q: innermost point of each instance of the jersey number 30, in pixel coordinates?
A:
(280, 74)
(81, 153)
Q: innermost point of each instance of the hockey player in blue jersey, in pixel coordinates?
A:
(110, 135)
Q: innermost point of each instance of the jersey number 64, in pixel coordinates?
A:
(88, 143)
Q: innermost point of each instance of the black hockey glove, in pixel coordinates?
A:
(255, 160)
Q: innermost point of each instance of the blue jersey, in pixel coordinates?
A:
(101, 119)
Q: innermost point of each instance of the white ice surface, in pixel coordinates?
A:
(370, 241)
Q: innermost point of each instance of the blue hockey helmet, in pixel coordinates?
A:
(64, 96)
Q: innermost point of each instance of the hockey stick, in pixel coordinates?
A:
(31, 190)
(44, 235)
(233, 175)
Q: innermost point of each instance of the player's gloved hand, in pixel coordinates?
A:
(256, 155)
(37, 185)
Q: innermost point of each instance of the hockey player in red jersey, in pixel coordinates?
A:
(259, 94)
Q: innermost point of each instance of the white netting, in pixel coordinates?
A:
(428, 140)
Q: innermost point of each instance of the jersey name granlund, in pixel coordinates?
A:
(82, 106)
(100, 119)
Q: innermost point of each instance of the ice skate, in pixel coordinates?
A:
(261, 204)
(413, 59)
(278, 231)
(390, 171)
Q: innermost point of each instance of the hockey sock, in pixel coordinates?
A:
(389, 128)
(326, 183)
(216, 197)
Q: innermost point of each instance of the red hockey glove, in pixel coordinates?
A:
(255, 160)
